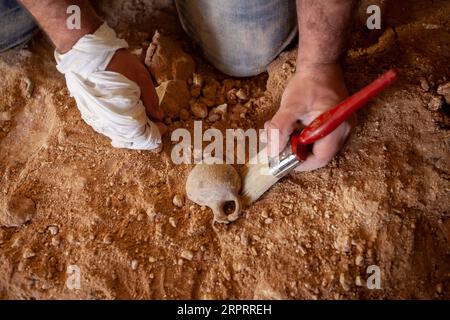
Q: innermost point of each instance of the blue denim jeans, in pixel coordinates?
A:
(17, 26)
(239, 37)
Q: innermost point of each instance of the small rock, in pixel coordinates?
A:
(187, 255)
(173, 96)
(173, 222)
(435, 103)
(197, 80)
(358, 281)
(184, 115)
(232, 97)
(444, 90)
(213, 116)
(5, 116)
(151, 213)
(228, 84)
(19, 210)
(53, 230)
(199, 110)
(424, 85)
(134, 264)
(18, 242)
(107, 239)
(140, 217)
(223, 108)
(210, 89)
(28, 254)
(55, 241)
(265, 213)
(439, 288)
(359, 261)
(244, 240)
(62, 136)
(268, 221)
(344, 283)
(29, 87)
(152, 259)
(242, 95)
(195, 91)
(178, 201)
(167, 60)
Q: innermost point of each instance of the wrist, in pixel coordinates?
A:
(64, 42)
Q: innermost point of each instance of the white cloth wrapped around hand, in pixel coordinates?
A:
(108, 101)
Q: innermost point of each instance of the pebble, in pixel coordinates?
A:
(244, 240)
(232, 97)
(29, 87)
(107, 239)
(173, 222)
(55, 242)
(151, 259)
(444, 90)
(187, 255)
(28, 254)
(184, 115)
(359, 260)
(213, 116)
(343, 281)
(19, 210)
(134, 264)
(268, 221)
(197, 80)
(53, 230)
(424, 85)
(439, 288)
(265, 213)
(140, 217)
(242, 95)
(5, 116)
(435, 103)
(62, 136)
(199, 110)
(358, 281)
(178, 201)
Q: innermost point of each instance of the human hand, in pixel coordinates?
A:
(129, 66)
(314, 89)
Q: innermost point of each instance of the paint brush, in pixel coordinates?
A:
(260, 174)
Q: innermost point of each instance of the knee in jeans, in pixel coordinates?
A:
(242, 66)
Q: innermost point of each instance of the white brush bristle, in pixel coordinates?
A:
(256, 179)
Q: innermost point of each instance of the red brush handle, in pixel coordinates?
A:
(327, 122)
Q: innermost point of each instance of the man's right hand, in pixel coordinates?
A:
(129, 66)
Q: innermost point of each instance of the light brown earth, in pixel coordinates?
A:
(383, 201)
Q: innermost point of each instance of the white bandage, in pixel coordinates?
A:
(108, 101)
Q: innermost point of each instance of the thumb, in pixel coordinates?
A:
(279, 130)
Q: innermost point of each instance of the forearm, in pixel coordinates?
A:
(323, 28)
(52, 17)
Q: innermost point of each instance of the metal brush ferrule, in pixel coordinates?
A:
(283, 164)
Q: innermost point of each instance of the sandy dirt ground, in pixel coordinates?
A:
(67, 198)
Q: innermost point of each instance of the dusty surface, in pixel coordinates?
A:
(383, 201)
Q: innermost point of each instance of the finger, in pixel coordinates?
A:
(149, 97)
(326, 149)
(279, 129)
